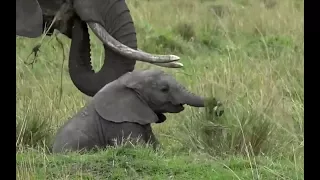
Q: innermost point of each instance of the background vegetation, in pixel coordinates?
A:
(247, 53)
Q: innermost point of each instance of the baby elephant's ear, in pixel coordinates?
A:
(28, 18)
(117, 103)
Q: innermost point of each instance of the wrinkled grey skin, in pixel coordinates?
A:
(103, 16)
(126, 106)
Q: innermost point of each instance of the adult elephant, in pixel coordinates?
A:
(111, 22)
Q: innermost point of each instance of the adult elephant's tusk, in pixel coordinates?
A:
(170, 64)
(126, 51)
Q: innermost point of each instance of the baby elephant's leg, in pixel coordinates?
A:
(151, 138)
(73, 141)
(136, 134)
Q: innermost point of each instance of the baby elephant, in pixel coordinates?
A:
(125, 108)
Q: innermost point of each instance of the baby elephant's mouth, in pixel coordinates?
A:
(180, 107)
(176, 108)
(161, 117)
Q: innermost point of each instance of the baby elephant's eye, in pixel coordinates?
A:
(164, 89)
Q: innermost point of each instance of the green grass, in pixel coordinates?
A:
(247, 53)
(141, 163)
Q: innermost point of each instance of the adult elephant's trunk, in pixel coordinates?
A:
(111, 21)
(80, 68)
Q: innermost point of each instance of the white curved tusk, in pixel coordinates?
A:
(126, 51)
(170, 64)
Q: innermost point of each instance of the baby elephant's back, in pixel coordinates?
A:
(79, 132)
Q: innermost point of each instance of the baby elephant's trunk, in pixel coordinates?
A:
(198, 101)
(190, 98)
(194, 100)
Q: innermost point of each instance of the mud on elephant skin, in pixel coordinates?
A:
(110, 20)
(125, 107)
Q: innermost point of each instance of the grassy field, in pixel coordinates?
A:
(247, 53)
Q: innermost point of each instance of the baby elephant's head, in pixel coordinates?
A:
(154, 89)
(161, 91)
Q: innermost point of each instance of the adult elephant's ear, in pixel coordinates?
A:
(28, 18)
(117, 103)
